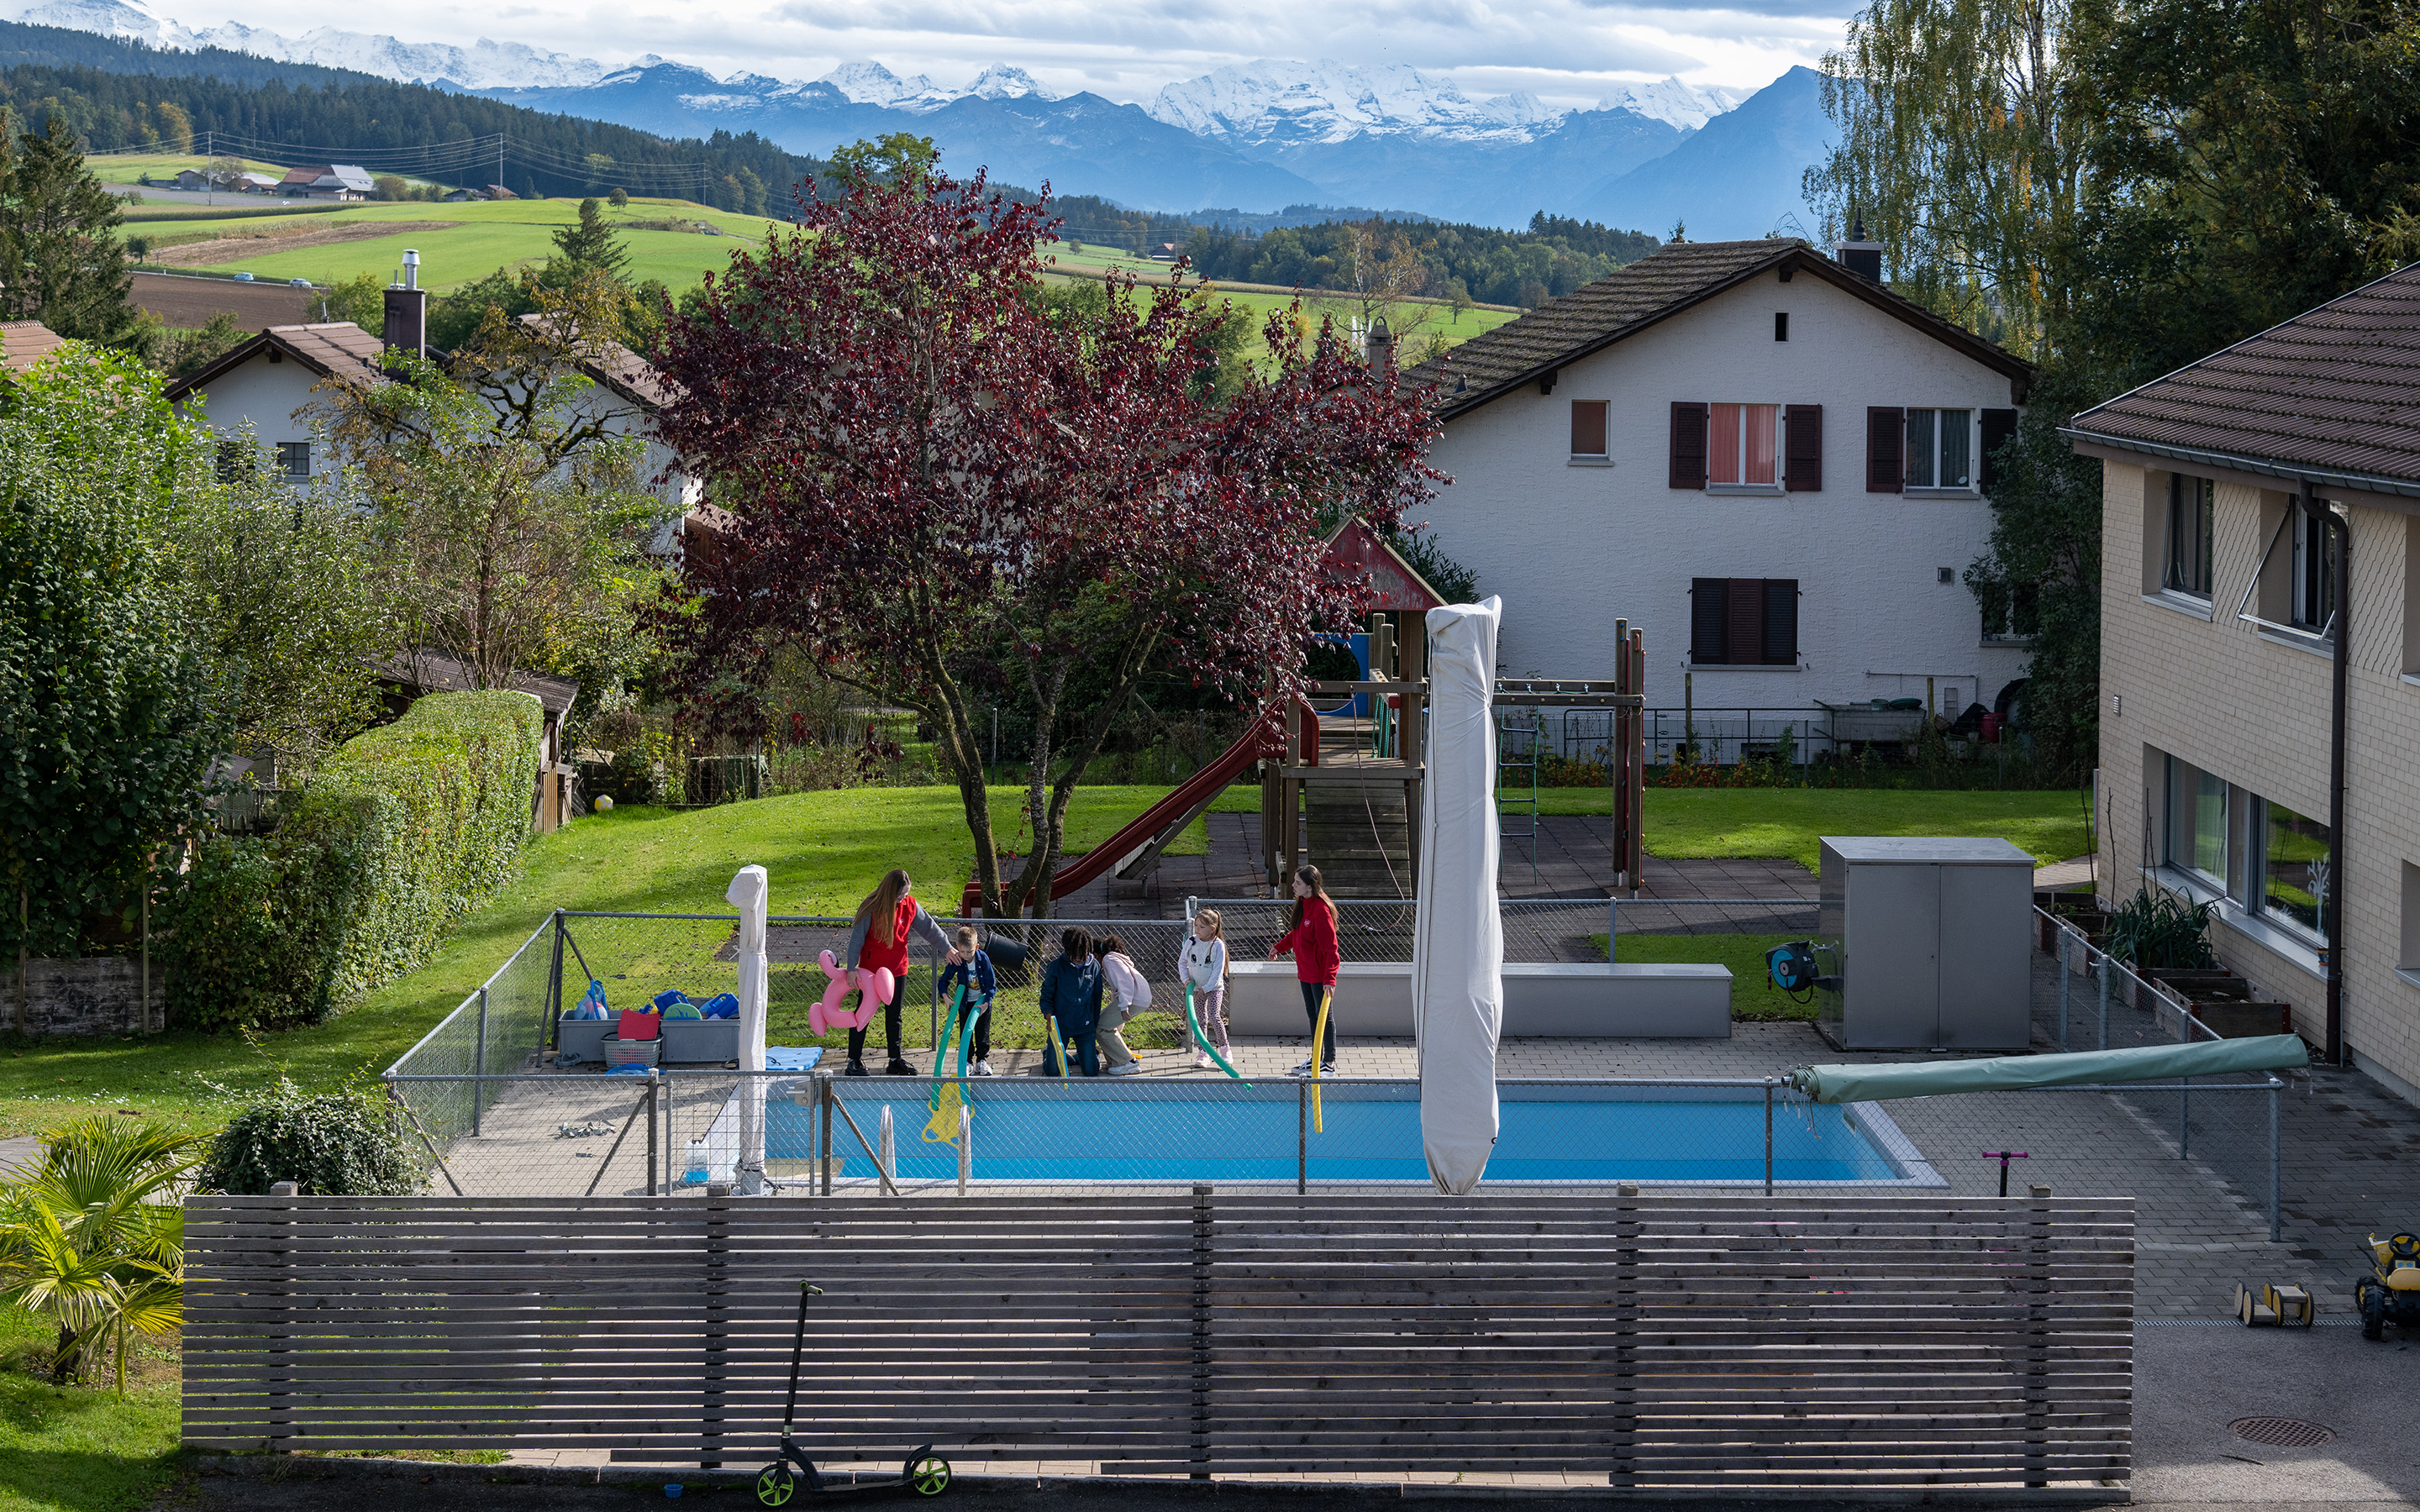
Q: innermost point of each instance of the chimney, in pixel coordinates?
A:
(1860, 256)
(407, 311)
(1378, 343)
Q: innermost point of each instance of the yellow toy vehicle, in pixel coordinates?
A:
(2391, 1293)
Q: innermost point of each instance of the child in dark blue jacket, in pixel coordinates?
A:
(1071, 1002)
(973, 968)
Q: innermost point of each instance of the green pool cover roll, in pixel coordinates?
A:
(1930, 1078)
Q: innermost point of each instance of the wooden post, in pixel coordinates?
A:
(281, 1281)
(142, 1000)
(1637, 859)
(717, 1320)
(1624, 1393)
(1203, 1233)
(22, 926)
(823, 1139)
(2037, 1383)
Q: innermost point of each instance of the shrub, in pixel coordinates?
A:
(329, 1144)
(2153, 931)
(406, 828)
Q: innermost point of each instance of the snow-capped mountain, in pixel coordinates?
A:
(1687, 106)
(482, 64)
(871, 84)
(1274, 102)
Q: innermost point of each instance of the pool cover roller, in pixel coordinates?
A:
(1458, 941)
(2005, 1073)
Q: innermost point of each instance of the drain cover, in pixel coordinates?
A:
(2282, 1432)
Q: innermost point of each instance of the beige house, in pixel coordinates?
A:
(2237, 678)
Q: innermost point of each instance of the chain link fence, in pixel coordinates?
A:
(2229, 1124)
(1536, 929)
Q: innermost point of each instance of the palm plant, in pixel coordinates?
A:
(93, 1239)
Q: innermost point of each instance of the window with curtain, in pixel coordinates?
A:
(1940, 449)
(2197, 821)
(2190, 511)
(2314, 569)
(1742, 442)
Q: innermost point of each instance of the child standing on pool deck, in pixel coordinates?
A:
(1124, 991)
(972, 965)
(1311, 939)
(1203, 968)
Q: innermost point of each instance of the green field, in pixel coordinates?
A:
(480, 238)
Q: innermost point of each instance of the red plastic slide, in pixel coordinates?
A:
(1158, 825)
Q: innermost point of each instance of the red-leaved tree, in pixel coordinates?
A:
(930, 482)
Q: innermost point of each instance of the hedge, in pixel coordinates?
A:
(404, 829)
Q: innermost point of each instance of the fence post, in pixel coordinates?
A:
(1612, 929)
(2106, 963)
(2061, 930)
(479, 1065)
(1625, 1337)
(550, 1032)
(2184, 1117)
(2277, 1091)
(966, 1141)
(281, 1391)
(1302, 1134)
(717, 1320)
(1768, 1136)
(1202, 1232)
(654, 1086)
(2038, 1282)
(824, 1136)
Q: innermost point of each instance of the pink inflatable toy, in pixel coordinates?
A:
(874, 989)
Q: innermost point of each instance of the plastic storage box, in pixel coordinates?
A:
(621, 1052)
(580, 1042)
(690, 1041)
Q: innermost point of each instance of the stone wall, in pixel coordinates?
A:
(93, 995)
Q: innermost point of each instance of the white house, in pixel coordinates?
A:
(327, 180)
(1764, 458)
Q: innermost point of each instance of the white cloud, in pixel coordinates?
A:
(1567, 52)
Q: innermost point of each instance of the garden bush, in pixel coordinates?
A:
(406, 828)
(329, 1144)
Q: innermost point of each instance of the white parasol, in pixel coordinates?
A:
(748, 891)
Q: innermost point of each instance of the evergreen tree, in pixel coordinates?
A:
(593, 241)
(61, 262)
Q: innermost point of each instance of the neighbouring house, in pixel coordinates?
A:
(266, 383)
(24, 343)
(327, 180)
(497, 191)
(2229, 488)
(465, 196)
(1759, 455)
(555, 798)
(257, 183)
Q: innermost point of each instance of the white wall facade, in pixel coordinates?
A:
(1572, 547)
(269, 397)
(2182, 678)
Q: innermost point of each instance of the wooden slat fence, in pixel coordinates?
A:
(1846, 1340)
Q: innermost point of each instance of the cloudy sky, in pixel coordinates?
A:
(1569, 52)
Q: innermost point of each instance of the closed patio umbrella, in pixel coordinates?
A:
(1458, 943)
(748, 892)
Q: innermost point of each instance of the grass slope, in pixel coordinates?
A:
(79, 1448)
(485, 236)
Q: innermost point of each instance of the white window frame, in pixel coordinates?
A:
(1968, 490)
(1780, 440)
(2255, 877)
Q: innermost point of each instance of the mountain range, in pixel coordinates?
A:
(1255, 137)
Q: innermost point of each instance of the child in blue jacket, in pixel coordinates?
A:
(972, 969)
(1071, 1002)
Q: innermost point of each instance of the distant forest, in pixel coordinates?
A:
(111, 91)
(1554, 256)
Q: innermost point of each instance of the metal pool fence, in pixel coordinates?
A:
(676, 1131)
(1535, 929)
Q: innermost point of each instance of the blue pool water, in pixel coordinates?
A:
(1026, 1132)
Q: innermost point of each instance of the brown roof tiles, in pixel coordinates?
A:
(1631, 299)
(24, 343)
(2335, 392)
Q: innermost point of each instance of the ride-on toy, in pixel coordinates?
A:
(2391, 1293)
(924, 1471)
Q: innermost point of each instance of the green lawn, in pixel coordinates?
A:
(1704, 822)
(1753, 994)
(78, 1448)
(480, 238)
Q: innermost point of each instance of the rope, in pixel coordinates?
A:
(1393, 881)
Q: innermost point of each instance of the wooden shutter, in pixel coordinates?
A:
(1587, 428)
(1802, 448)
(1689, 445)
(1743, 636)
(1885, 436)
(1709, 615)
(1781, 621)
(1998, 425)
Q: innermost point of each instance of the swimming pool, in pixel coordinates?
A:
(1562, 1133)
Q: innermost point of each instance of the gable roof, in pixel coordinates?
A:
(1632, 299)
(623, 371)
(24, 343)
(337, 348)
(1357, 551)
(2329, 397)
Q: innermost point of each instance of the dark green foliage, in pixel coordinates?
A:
(2044, 568)
(331, 1145)
(1454, 582)
(2258, 159)
(1552, 258)
(110, 708)
(61, 262)
(594, 242)
(2155, 930)
(404, 830)
(58, 72)
(454, 318)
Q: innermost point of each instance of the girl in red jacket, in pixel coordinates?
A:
(1312, 940)
(879, 938)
